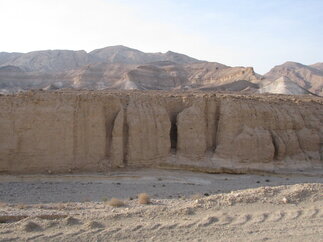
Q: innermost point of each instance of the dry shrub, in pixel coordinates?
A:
(72, 221)
(40, 206)
(31, 227)
(61, 206)
(143, 198)
(95, 225)
(114, 202)
(196, 196)
(2, 204)
(22, 206)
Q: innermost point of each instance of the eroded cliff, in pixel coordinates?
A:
(99, 131)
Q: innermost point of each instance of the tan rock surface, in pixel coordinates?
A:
(117, 140)
(98, 131)
(191, 128)
(148, 133)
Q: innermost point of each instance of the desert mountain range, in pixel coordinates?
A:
(120, 67)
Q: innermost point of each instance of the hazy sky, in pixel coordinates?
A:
(255, 33)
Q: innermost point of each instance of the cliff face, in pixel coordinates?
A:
(99, 131)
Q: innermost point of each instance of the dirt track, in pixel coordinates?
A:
(160, 184)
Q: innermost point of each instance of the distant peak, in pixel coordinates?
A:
(118, 47)
(115, 48)
(292, 64)
(172, 53)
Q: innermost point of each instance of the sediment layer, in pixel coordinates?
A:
(99, 131)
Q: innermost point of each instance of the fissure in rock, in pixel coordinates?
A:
(173, 136)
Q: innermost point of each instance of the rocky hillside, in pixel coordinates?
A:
(125, 55)
(318, 66)
(283, 85)
(308, 77)
(64, 60)
(49, 60)
(120, 67)
(116, 67)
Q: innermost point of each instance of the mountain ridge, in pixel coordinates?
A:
(121, 67)
(63, 60)
(309, 77)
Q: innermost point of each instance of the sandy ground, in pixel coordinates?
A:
(185, 206)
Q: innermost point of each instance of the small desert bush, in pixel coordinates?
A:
(196, 196)
(143, 198)
(61, 206)
(2, 204)
(31, 227)
(41, 206)
(22, 206)
(114, 202)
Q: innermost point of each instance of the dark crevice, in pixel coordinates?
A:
(108, 134)
(125, 130)
(173, 136)
(125, 139)
(108, 139)
(275, 146)
(217, 121)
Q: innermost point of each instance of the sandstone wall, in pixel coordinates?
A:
(100, 131)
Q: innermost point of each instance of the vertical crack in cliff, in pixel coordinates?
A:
(173, 134)
(299, 137)
(125, 135)
(296, 129)
(75, 130)
(216, 123)
(278, 141)
(108, 133)
(209, 142)
(276, 146)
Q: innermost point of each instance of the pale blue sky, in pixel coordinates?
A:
(246, 33)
